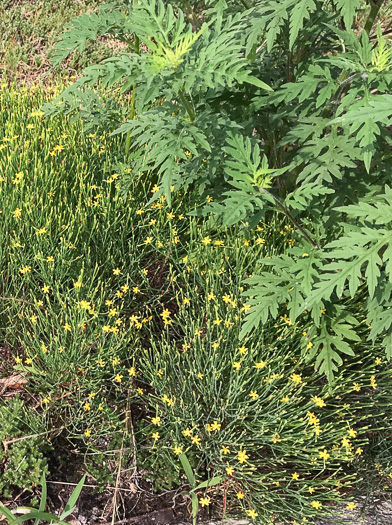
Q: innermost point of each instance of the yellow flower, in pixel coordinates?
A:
(118, 378)
(346, 443)
(177, 451)
(311, 490)
(260, 365)
(296, 378)
(155, 435)
(195, 440)
(319, 402)
(236, 365)
(254, 395)
(206, 241)
(285, 399)
(225, 450)
(117, 271)
(211, 296)
(85, 305)
(251, 513)
(316, 505)
(352, 433)
(87, 407)
(240, 495)
(229, 471)
(204, 501)
(87, 433)
(156, 421)
(17, 213)
(295, 475)
(67, 327)
(359, 451)
(324, 454)
(216, 426)
(350, 506)
(187, 432)
(242, 456)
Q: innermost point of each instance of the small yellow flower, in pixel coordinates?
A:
(87, 433)
(350, 506)
(187, 432)
(319, 402)
(311, 490)
(177, 451)
(285, 399)
(204, 501)
(295, 475)
(225, 450)
(324, 455)
(229, 471)
(346, 443)
(254, 395)
(195, 440)
(236, 365)
(116, 271)
(155, 435)
(359, 451)
(252, 514)
(240, 495)
(216, 426)
(87, 407)
(316, 505)
(156, 421)
(118, 378)
(50, 258)
(296, 378)
(206, 241)
(242, 456)
(260, 365)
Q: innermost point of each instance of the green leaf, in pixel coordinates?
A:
(217, 480)
(348, 9)
(300, 12)
(42, 503)
(188, 470)
(69, 507)
(195, 507)
(8, 514)
(36, 514)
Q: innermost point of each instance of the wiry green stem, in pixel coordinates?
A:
(291, 218)
(133, 99)
(186, 105)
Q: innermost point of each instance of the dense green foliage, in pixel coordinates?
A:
(268, 106)
(195, 255)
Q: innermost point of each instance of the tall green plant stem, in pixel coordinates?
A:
(186, 105)
(192, 14)
(133, 99)
(291, 218)
(374, 10)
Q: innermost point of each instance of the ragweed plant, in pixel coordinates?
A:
(288, 89)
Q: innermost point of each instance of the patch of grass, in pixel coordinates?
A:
(29, 30)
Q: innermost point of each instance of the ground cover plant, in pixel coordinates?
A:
(167, 291)
(126, 320)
